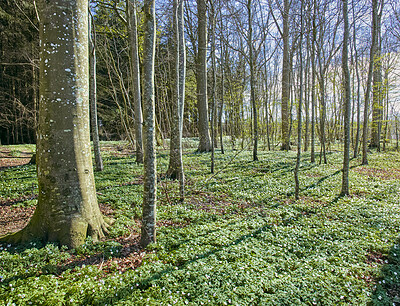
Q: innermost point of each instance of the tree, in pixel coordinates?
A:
(201, 78)
(252, 79)
(213, 18)
(149, 156)
(372, 55)
(175, 168)
(286, 66)
(299, 119)
(93, 97)
(377, 87)
(135, 76)
(347, 102)
(67, 210)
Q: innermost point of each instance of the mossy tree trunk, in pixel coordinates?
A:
(377, 86)
(67, 210)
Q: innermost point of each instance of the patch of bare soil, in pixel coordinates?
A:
(14, 218)
(8, 158)
(385, 174)
(118, 150)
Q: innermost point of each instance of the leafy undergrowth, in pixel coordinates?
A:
(240, 238)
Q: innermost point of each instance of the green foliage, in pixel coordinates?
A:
(239, 238)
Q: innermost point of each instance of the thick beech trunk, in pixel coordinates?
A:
(67, 210)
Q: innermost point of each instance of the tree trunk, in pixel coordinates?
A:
(347, 102)
(67, 210)
(374, 43)
(377, 87)
(93, 97)
(150, 175)
(135, 77)
(357, 141)
(201, 78)
(252, 81)
(285, 78)
(299, 119)
(213, 87)
(175, 168)
(313, 89)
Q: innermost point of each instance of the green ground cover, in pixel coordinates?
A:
(239, 238)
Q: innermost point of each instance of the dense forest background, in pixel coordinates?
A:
(269, 30)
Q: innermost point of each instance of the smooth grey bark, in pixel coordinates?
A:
(372, 55)
(149, 157)
(214, 87)
(313, 74)
(357, 140)
(307, 101)
(221, 108)
(386, 93)
(252, 80)
(299, 110)
(201, 78)
(347, 101)
(93, 97)
(67, 210)
(175, 168)
(285, 77)
(135, 77)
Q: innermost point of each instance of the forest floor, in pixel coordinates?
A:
(239, 238)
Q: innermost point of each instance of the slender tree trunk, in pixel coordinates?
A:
(323, 116)
(357, 141)
(150, 175)
(285, 78)
(386, 92)
(135, 77)
(221, 109)
(201, 77)
(93, 97)
(307, 100)
(252, 81)
(377, 87)
(175, 168)
(214, 87)
(267, 108)
(299, 119)
(369, 80)
(347, 101)
(313, 73)
(67, 210)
